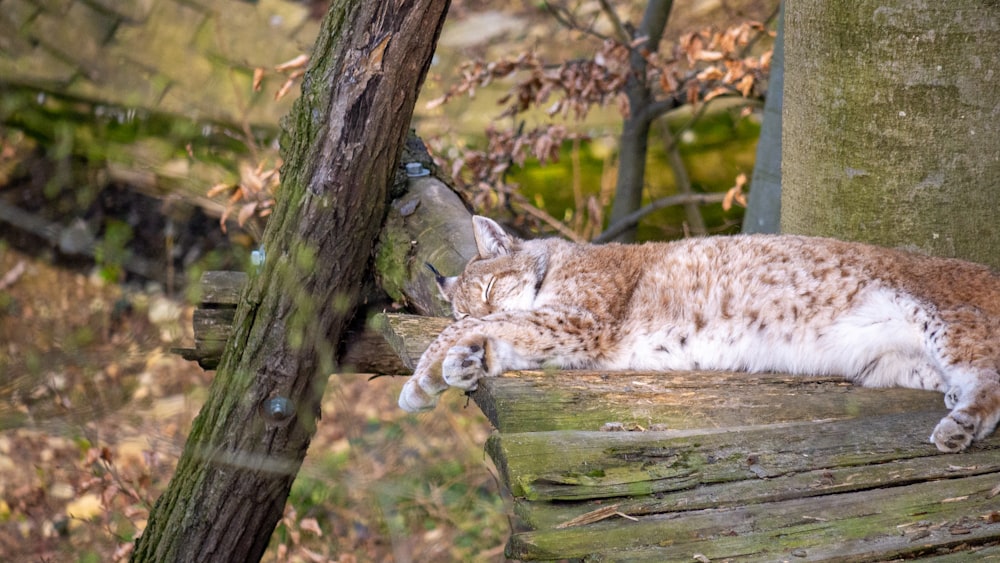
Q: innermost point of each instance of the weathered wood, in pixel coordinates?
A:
(756, 490)
(871, 525)
(409, 335)
(221, 288)
(731, 466)
(586, 400)
(574, 465)
(733, 442)
(429, 224)
(367, 351)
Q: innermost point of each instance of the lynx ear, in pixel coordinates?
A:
(445, 285)
(491, 239)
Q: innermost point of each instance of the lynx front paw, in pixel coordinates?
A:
(463, 366)
(954, 433)
(415, 399)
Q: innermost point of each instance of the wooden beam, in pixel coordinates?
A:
(587, 400)
(922, 518)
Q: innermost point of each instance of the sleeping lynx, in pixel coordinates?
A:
(782, 303)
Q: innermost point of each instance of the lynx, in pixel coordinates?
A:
(783, 303)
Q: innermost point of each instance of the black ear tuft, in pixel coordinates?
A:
(437, 275)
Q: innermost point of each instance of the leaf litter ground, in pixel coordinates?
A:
(94, 412)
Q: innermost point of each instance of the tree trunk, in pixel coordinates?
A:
(764, 206)
(345, 136)
(634, 143)
(892, 128)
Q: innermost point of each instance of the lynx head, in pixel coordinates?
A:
(504, 276)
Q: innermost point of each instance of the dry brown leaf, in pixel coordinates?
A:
(218, 189)
(246, 212)
(297, 62)
(715, 93)
(745, 85)
(709, 56)
(258, 77)
(710, 73)
(736, 194)
(284, 89)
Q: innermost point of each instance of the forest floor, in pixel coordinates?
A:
(94, 412)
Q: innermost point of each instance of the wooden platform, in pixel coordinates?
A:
(701, 466)
(709, 466)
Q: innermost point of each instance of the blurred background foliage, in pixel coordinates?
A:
(139, 147)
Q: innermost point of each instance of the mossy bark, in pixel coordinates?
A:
(891, 128)
(344, 137)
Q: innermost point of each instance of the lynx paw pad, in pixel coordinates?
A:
(954, 433)
(463, 366)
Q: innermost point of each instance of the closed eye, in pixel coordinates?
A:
(489, 288)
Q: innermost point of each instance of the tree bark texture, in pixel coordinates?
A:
(764, 206)
(344, 137)
(892, 124)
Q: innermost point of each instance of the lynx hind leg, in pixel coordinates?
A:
(974, 416)
(465, 363)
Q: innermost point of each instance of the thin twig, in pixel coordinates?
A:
(633, 218)
(623, 33)
(569, 21)
(549, 220)
(683, 181)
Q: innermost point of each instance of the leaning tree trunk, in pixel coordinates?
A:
(892, 124)
(345, 135)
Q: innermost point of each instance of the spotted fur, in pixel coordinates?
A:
(780, 303)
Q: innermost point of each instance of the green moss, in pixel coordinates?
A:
(391, 258)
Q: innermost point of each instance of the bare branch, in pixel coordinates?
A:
(633, 218)
(683, 181)
(548, 220)
(654, 21)
(623, 33)
(569, 21)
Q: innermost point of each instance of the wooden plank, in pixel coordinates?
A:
(871, 525)
(409, 335)
(213, 325)
(364, 351)
(965, 552)
(803, 484)
(222, 288)
(367, 351)
(587, 400)
(576, 465)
